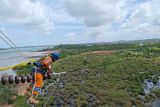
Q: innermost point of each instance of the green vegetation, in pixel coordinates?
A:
(105, 80)
(114, 80)
(24, 69)
(7, 94)
(20, 101)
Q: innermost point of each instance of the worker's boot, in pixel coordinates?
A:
(33, 101)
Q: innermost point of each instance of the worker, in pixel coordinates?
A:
(43, 66)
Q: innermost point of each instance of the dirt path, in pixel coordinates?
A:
(105, 52)
(21, 88)
(6, 105)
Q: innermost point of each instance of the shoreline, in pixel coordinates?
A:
(17, 61)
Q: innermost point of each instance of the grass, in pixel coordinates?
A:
(7, 93)
(113, 79)
(20, 102)
(24, 69)
(103, 80)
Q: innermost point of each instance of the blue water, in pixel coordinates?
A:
(10, 57)
(13, 52)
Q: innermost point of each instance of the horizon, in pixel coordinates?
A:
(123, 41)
(54, 22)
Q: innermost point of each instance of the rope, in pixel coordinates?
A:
(14, 46)
(34, 82)
(55, 86)
(52, 91)
(29, 102)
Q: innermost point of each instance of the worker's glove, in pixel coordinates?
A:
(50, 67)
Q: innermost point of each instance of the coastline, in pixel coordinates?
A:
(17, 61)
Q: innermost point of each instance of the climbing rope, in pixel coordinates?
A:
(34, 83)
(56, 83)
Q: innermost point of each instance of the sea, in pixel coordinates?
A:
(10, 57)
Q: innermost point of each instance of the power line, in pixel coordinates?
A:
(14, 46)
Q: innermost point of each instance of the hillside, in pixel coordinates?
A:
(104, 80)
(97, 77)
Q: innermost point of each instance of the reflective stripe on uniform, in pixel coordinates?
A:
(37, 90)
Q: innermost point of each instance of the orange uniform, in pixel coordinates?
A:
(38, 83)
(46, 62)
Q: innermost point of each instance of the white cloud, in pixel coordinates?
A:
(31, 14)
(145, 19)
(87, 20)
(98, 12)
(71, 38)
(60, 16)
(132, 17)
(98, 15)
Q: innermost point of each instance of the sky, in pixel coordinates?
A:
(52, 22)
